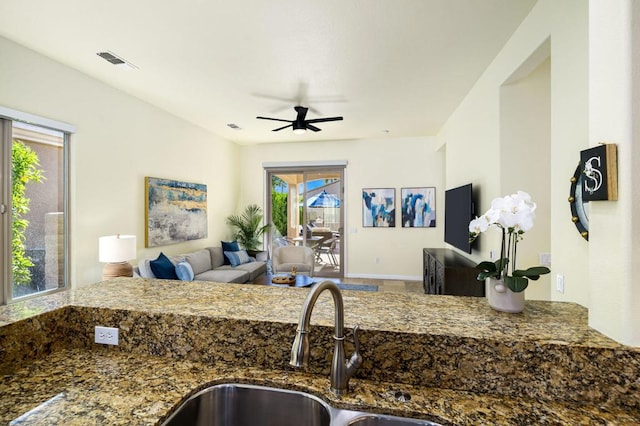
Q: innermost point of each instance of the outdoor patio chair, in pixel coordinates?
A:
(329, 249)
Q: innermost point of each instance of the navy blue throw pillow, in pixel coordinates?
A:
(229, 246)
(163, 268)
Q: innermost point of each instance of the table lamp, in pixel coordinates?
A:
(116, 251)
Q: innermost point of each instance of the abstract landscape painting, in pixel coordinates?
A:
(176, 211)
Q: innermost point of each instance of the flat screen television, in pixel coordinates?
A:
(459, 210)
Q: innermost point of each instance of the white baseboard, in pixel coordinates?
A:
(386, 277)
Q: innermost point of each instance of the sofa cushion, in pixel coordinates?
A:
(237, 257)
(200, 261)
(229, 246)
(144, 269)
(217, 257)
(163, 268)
(227, 275)
(255, 269)
(320, 230)
(184, 271)
(301, 268)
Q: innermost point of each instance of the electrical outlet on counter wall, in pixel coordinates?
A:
(106, 335)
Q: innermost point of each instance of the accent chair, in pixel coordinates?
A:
(286, 257)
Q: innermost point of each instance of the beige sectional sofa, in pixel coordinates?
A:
(209, 265)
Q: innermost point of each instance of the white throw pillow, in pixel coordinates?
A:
(145, 269)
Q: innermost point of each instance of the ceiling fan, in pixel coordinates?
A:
(300, 124)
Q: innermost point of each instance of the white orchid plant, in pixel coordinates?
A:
(513, 215)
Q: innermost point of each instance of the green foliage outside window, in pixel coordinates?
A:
(24, 169)
(279, 212)
(279, 204)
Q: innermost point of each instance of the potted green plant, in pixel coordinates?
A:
(513, 215)
(248, 228)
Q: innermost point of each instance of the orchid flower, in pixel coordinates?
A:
(514, 215)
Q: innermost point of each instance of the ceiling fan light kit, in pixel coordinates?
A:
(300, 125)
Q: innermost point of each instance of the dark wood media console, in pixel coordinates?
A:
(447, 272)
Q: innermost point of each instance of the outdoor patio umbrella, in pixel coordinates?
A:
(323, 200)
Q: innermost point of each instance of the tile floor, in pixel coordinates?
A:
(389, 286)
(324, 266)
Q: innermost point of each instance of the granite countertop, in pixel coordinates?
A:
(102, 386)
(410, 313)
(84, 383)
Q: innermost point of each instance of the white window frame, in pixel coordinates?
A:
(7, 117)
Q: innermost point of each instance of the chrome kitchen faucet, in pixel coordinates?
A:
(341, 369)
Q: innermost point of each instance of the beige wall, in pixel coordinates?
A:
(525, 137)
(119, 141)
(477, 119)
(614, 251)
(385, 163)
(594, 58)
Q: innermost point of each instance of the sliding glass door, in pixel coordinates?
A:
(305, 208)
(33, 206)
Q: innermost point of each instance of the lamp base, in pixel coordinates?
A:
(113, 270)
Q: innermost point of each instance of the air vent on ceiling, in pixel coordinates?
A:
(115, 60)
(234, 126)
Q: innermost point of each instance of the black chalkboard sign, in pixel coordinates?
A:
(599, 173)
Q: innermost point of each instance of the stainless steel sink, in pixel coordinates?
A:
(240, 405)
(380, 420)
(249, 405)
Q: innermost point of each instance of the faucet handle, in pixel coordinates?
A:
(356, 359)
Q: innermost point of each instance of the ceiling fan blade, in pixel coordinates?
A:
(322, 120)
(274, 119)
(300, 123)
(302, 112)
(283, 127)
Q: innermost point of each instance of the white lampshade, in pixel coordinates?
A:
(116, 248)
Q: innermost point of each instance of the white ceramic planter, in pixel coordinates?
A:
(502, 299)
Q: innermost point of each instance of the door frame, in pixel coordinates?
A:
(303, 167)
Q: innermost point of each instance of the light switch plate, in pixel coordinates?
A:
(560, 283)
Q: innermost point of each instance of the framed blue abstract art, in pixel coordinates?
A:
(379, 207)
(418, 207)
